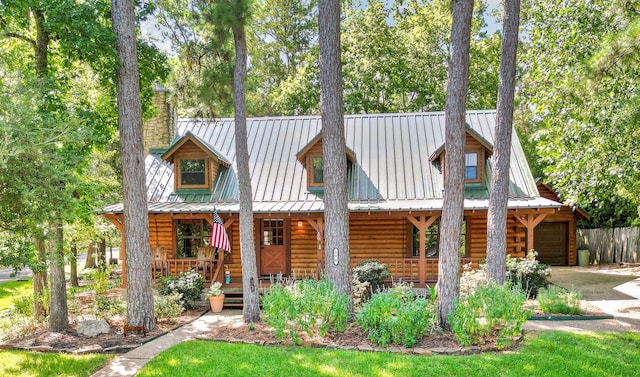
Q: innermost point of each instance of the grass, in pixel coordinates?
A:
(30, 364)
(542, 354)
(12, 289)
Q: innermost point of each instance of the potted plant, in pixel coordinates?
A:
(216, 297)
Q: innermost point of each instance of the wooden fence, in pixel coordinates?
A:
(612, 245)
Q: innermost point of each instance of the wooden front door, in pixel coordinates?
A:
(274, 256)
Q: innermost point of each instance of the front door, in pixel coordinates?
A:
(273, 247)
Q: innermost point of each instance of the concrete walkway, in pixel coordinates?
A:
(131, 362)
(613, 293)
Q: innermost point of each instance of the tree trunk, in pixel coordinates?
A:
(40, 282)
(91, 256)
(251, 308)
(448, 288)
(136, 223)
(499, 189)
(58, 314)
(73, 262)
(336, 212)
(102, 254)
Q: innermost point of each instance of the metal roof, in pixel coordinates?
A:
(392, 171)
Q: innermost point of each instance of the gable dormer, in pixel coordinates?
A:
(312, 160)
(476, 152)
(195, 163)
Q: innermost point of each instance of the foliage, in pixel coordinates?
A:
(23, 305)
(372, 272)
(100, 279)
(579, 100)
(527, 273)
(10, 289)
(360, 291)
(167, 306)
(396, 316)
(554, 299)
(472, 278)
(108, 307)
(305, 306)
(490, 311)
(215, 289)
(541, 354)
(188, 284)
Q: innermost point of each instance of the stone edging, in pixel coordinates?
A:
(452, 351)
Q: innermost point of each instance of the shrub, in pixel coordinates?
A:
(166, 307)
(554, 299)
(472, 279)
(23, 305)
(528, 273)
(360, 291)
(373, 272)
(305, 306)
(106, 307)
(489, 311)
(189, 284)
(396, 316)
(100, 279)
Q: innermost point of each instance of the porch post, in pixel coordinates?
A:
(318, 225)
(422, 223)
(530, 221)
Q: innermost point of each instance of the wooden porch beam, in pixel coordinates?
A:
(422, 223)
(530, 221)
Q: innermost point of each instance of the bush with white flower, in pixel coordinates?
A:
(188, 284)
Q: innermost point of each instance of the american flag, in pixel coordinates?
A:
(219, 237)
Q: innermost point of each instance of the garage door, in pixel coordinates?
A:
(550, 241)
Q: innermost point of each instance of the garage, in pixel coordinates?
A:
(551, 242)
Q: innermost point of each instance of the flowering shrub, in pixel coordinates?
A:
(360, 291)
(167, 307)
(397, 316)
(471, 279)
(373, 272)
(528, 273)
(189, 284)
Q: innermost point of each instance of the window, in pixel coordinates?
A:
(192, 172)
(432, 247)
(192, 234)
(273, 232)
(471, 166)
(316, 174)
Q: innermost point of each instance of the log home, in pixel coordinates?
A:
(395, 189)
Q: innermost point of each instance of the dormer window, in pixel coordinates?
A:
(195, 162)
(311, 158)
(470, 166)
(477, 150)
(193, 173)
(316, 172)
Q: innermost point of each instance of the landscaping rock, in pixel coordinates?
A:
(93, 327)
(94, 348)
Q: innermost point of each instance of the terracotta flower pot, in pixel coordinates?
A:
(216, 303)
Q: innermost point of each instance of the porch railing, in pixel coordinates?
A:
(210, 269)
(407, 269)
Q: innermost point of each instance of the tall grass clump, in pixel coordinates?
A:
(305, 307)
(396, 316)
(490, 311)
(554, 299)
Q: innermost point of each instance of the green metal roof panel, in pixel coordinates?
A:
(392, 159)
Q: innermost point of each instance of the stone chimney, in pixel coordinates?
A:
(160, 130)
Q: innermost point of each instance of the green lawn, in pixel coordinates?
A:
(12, 289)
(543, 354)
(28, 364)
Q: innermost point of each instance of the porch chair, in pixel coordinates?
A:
(160, 260)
